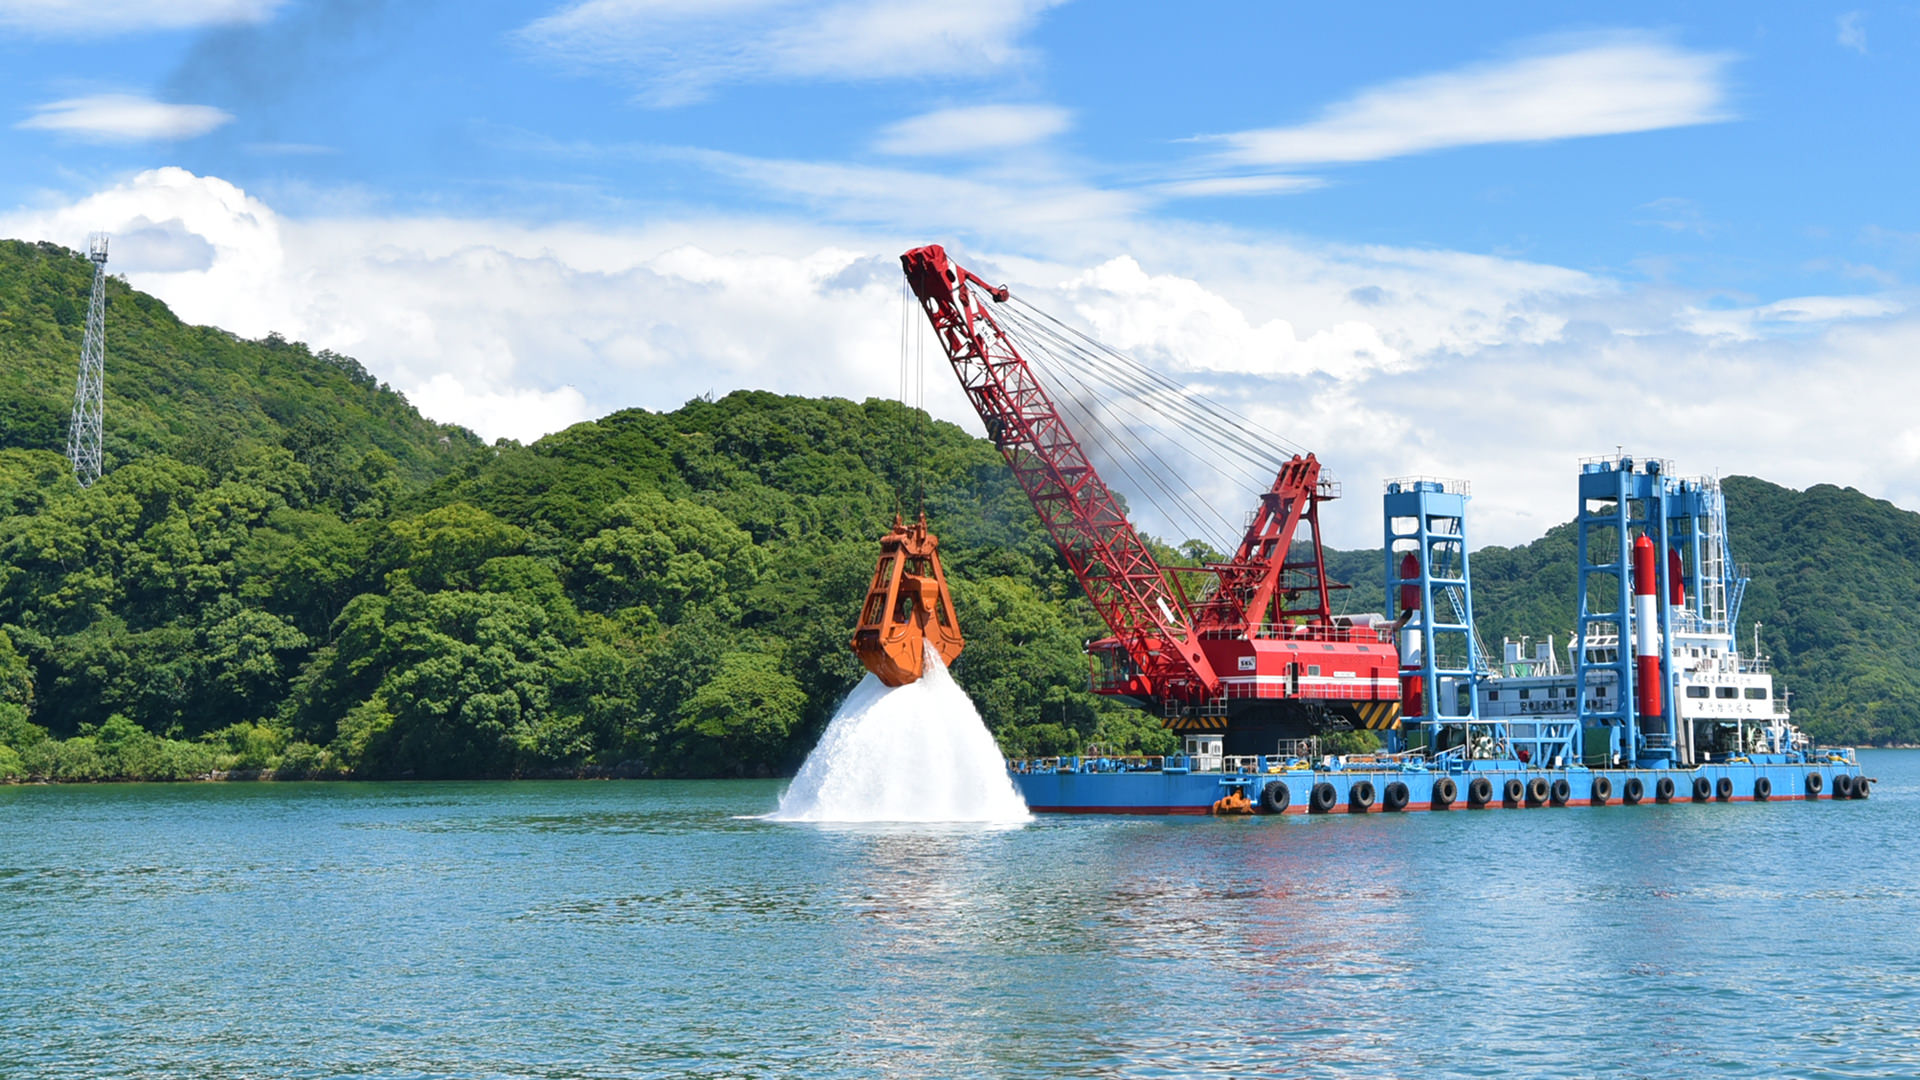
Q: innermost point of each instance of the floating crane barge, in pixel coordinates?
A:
(1245, 660)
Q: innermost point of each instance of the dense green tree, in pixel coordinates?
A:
(664, 554)
(740, 716)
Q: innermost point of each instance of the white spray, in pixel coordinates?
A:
(917, 752)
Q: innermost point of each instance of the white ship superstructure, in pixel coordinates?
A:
(1724, 705)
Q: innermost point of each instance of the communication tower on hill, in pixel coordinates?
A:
(83, 432)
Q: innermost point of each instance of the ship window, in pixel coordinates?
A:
(1493, 695)
(1756, 693)
(1696, 691)
(1313, 669)
(1726, 691)
(1599, 691)
(1526, 695)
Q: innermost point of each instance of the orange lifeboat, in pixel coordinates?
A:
(907, 608)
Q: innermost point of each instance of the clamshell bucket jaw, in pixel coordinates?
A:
(907, 608)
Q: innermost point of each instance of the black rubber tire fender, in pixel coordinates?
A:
(1815, 782)
(1395, 798)
(1724, 789)
(1601, 792)
(1275, 798)
(1633, 791)
(1560, 792)
(1444, 792)
(1859, 787)
(1322, 798)
(1359, 796)
(1762, 789)
(1663, 789)
(1842, 785)
(1479, 792)
(1702, 789)
(1537, 791)
(1515, 792)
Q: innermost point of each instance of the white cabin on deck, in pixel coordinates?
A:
(1727, 705)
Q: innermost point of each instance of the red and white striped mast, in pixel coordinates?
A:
(1646, 634)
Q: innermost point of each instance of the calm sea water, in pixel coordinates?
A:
(638, 929)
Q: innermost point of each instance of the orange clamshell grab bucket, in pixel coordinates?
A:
(907, 608)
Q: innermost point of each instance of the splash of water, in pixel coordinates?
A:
(917, 752)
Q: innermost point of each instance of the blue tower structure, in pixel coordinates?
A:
(1711, 587)
(1430, 598)
(1620, 500)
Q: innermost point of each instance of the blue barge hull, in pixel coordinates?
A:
(1086, 790)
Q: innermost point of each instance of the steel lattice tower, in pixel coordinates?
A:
(83, 433)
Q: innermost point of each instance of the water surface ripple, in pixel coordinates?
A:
(643, 929)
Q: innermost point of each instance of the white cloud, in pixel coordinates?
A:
(1214, 186)
(679, 49)
(1385, 361)
(124, 118)
(1189, 327)
(1752, 323)
(523, 414)
(102, 18)
(1852, 31)
(1025, 205)
(970, 128)
(1616, 86)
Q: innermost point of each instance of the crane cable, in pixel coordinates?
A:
(1233, 453)
(1156, 400)
(911, 442)
(1084, 393)
(1234, 448)
(1237, 446)
(1093, 403)
(1235, 429)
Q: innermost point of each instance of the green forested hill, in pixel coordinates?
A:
(198, 393)
(285, 566)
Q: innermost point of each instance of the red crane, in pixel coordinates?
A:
(1256, 654)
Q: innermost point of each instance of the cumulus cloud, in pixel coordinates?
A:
(1188, 327)
(1384, 361)
(678, 50)
(970, 128)
(124, 118)
(1610, 87)
(102, 18)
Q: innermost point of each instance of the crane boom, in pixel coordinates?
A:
(1119, 574)
(1260, 657)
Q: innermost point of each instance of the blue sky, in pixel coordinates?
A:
(1417, 239)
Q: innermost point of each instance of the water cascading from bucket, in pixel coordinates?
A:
(916, 753)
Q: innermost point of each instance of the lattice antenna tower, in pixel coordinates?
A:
(89, 392)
